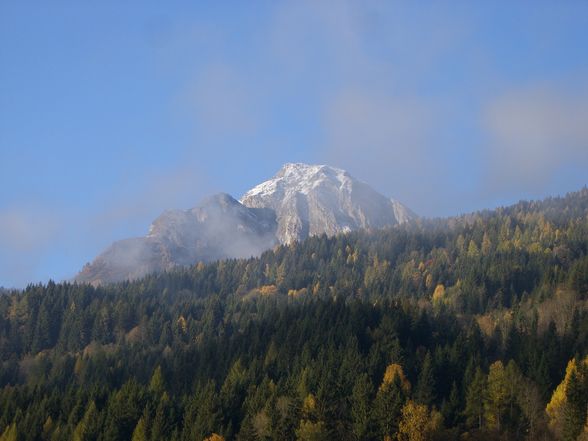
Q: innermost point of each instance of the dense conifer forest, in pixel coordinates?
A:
(473, 327)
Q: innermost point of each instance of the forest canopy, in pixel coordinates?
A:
(473, 327)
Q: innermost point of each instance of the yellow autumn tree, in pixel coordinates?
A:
(497, 395)
(439, 293)
(557, 406)
(10, 434)
(309, 405)
(392, 371)
(418, 423)
(473, 250)
(140, 432)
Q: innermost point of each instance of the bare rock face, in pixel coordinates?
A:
(315, 199)
(300, 201)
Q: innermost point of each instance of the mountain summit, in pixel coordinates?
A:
(314, 199)
(299, 201)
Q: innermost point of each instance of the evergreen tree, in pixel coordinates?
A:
(388, 405)
(475, 398)
(497, 396)
(10, 434)
(361, 407)
(425, 388)
(156, 384)
(140, 432)
(575, 409)
(88, 428)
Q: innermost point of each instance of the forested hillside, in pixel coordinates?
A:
(473, 327)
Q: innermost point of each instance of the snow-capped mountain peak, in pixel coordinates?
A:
(299, 201)
(315, 199)
(299, 178)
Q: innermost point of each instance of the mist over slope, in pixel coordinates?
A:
(219, 227)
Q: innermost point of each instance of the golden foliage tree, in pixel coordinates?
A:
(556, 407)
(311, 431)
(417, 423)
(10, 434)
(392, 371)
(497, 395)
(567, 409)
(439, 293)
(140, 432)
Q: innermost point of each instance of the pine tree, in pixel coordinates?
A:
(450, 409)
(475, 397)
(10, 434)
(160, 425)
(361, 408)
(157, 385)
(425, 388)
(388, 405)
(497, 397)
(205, 416)
(575, 409)
(88, 428)
(514, 380)
(47, 428)
(140, 432)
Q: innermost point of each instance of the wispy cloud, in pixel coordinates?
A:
(222, 102)
(534, 132)
(177, 187)
(383, 139)
(26, 235)
(24, 229)
(361, 60)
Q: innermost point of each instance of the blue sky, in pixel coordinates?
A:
(111, 112)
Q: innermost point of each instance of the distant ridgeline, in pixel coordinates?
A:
(429, 330)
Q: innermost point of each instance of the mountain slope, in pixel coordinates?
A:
(314, 199)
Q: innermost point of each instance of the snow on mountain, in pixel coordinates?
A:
(315, 199)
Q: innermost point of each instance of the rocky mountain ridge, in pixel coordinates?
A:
(315, 199)
(299, 201)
